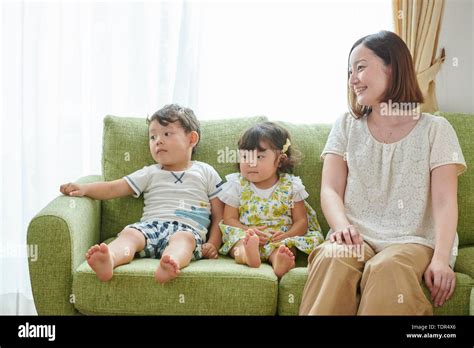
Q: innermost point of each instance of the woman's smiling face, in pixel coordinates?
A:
(369, 77)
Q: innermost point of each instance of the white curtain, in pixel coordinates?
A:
(65, 65)
(283, 59)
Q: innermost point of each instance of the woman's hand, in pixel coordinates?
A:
(441, 281)
(348, 235)
(72, 189)
(209, 251)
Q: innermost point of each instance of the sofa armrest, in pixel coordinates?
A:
(62, 232)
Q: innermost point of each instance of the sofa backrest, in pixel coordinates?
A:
(125, 149)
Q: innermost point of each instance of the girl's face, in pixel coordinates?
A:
(260, 167)
(369, 78)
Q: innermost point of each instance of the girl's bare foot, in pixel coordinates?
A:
(167, 270)
(252, 253)
(284, 261)
(101, 261)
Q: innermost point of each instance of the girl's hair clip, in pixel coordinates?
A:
(286, 146)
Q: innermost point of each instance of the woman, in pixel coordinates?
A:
(388, 192)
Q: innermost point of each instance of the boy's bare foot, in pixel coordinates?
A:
(167, 270)
(100, 259)
(284, 261)
(252, 253)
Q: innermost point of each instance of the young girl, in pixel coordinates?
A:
(265, 213)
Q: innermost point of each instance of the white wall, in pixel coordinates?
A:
(455, 84)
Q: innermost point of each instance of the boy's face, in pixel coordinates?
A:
(170, 145)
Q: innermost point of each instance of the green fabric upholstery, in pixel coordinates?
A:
(207, 287)
(465, 261)
(64, 284)
(292, 284)
(63, 231)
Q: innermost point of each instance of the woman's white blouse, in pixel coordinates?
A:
(388, 196)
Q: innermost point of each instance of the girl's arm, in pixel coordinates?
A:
(98, 190)
(299, 215)
(439, 277)
(299, 227)
(231, 217)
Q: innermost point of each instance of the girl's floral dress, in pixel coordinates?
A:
(273, 212)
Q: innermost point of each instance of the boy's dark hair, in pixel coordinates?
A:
(276, 137)
(176, 113)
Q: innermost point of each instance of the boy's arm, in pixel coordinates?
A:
(217, 213)
(98, 190)
(210, 248)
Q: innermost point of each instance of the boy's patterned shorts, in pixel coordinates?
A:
(157, 234)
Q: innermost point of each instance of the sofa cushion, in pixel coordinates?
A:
(291, 289)
(205, 287)
(125, 150)
(463, 124)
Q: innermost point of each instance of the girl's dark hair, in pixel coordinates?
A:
(174, 112)
(393, 51)
(275, 136)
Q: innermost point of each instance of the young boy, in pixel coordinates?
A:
(179, 194)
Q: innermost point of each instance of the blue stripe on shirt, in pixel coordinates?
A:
(215, 193)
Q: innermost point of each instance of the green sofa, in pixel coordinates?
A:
(64, 284)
